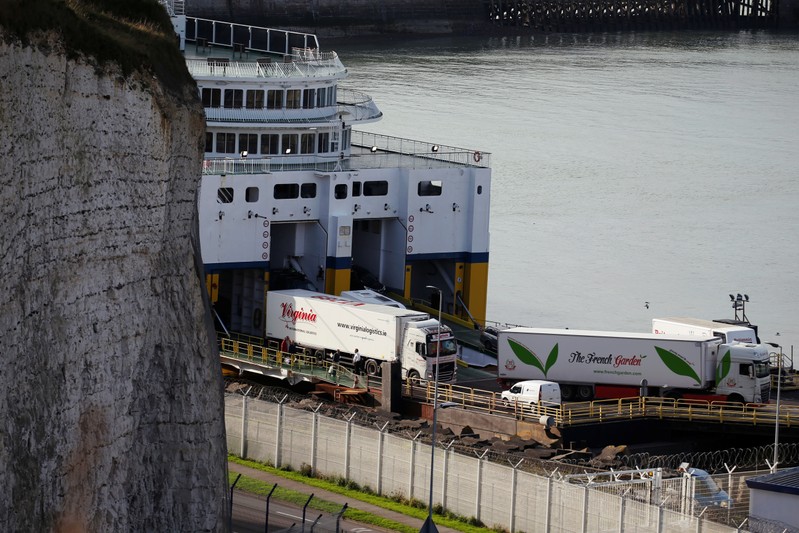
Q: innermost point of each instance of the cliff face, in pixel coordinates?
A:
(110, 388)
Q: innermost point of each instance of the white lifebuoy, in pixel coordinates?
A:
(477, 157)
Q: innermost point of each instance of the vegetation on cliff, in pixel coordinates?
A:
(137, 35)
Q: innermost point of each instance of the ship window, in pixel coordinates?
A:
(321, 97)
(429, 188)
(293, 99)
(209, 141)
(308, 190)
(226, 143)
(274, 99)
(340, 192)
(479, 189)
(345, 139)
(224, 195)
(270, 143)
(255, 99)
(375, 188)
(307, 144)
(286, 191)
(308, 98)
(248, 142)
(234, 98)
(323, 143)
(251, 194)
(290, 143)
(356, 188)
(331, 95)
(212, 97)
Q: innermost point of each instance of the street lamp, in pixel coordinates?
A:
(429, 526)
(777, 411)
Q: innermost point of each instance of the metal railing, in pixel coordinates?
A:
(490, 402)
(297, 363)
(297, 67)
(429, 150)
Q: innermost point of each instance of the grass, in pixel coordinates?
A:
(415, 509)
(136, 35)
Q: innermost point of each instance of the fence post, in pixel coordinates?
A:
(412, 463)
(479, 486)
(584, 528)
(380, 435)
(621, 515)
(659, 528)
(243, 443)
(548, 512)
(279, 431)
(512, 524)
(444, 475)
(314, 436)
(347, 447)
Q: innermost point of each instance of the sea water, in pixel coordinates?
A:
(635, 175)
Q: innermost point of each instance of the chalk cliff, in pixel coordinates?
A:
(111, 402)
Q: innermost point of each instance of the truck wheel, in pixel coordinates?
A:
(735, 398)
(371, 367)
(319, 355)
(585, 393)
(413, 376)
(567, 392)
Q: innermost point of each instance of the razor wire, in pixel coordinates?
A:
(753, 458)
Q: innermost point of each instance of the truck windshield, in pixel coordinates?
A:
(761, 369)
(448, 347)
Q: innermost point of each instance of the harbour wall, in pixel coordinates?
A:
(110, 391)
(332, 19)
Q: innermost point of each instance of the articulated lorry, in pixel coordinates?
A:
(610, 364)
(321, 324)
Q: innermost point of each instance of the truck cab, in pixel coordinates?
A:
(421, 350)
(743, 373)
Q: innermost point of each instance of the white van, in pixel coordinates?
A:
(533, 392)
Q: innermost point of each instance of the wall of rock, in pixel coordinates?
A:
(110, 390)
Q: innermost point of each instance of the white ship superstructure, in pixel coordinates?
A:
(293, 196)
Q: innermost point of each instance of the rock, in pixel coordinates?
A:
(111, 391)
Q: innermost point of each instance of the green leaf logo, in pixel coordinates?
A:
(553, 356)
(527, 356)
(677, 364)
(723, 368)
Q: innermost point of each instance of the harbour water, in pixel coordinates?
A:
(635, 175)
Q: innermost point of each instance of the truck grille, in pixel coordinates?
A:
(765, 393)
(446, 372)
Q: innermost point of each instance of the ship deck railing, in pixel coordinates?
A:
(369, 151)
(296, 65)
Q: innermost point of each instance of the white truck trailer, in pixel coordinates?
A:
(696, 326)
(610, 364)
(321, 324)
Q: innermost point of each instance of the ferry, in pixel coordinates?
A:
(293, 195)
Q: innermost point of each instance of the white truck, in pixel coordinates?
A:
(696, 326)
(320, 324)
(610, 364)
